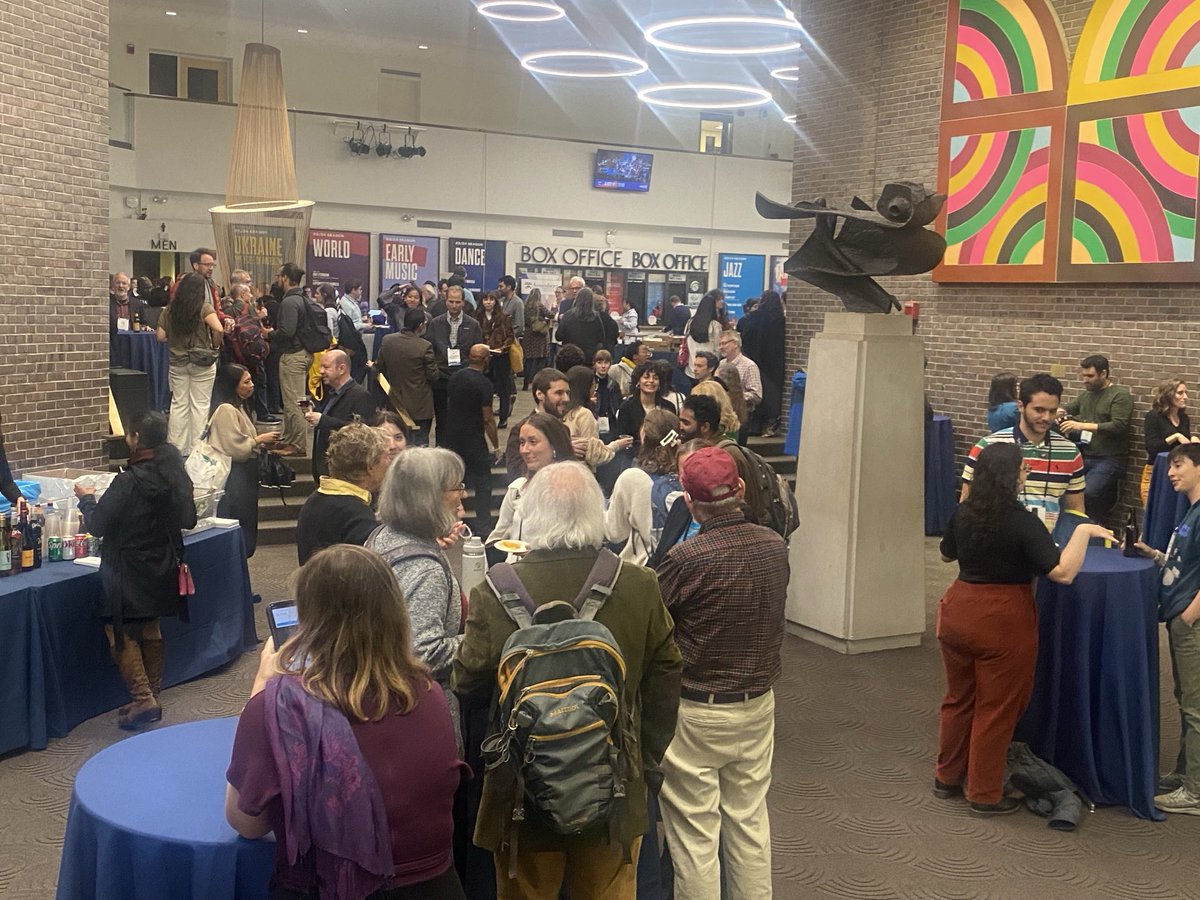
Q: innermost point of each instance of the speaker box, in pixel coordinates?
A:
(131, 393)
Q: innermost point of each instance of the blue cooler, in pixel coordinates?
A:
(791, 446)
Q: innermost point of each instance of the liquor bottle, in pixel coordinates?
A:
(137, 321)
(1129, 539)
(26, 539)
(13, 525)
(35, 535)
(6, 562)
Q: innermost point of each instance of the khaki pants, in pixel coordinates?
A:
(191, 395)
(716, 775)
(592, 873)
(1185, 661)
(293, 386)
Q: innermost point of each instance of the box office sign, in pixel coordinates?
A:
(538, 255)
(482, 260)
(337, 257)
(404, 259)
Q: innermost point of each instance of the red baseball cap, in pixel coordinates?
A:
(710, 475)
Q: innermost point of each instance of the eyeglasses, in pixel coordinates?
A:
(459, 488)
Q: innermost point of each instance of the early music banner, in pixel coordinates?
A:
(260, 249)
(405, 259)
(337, 257)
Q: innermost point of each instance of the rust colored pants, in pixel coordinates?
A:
(989, 639)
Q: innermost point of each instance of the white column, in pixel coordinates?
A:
(857, 558)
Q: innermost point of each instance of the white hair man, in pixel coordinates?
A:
(565, 528)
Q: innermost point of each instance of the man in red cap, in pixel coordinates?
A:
(726, 589)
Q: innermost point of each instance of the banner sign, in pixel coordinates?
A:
(482, 260)
(612, 259)
(336, 257)
(741, 277)
(779, 278)
(261, 250)
(404, 259)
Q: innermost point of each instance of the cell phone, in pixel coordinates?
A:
(281, 616)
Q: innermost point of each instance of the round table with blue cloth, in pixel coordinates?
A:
(142, 351)
(1094, 711)
(1165, 508)
(941, 478)
(147, 819)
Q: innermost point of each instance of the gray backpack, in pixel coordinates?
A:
(560, 731)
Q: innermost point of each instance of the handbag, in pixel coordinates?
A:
(207, 466)
(187, 587)
(273, 472)
(516, 357)
(540, 326)
(202, 356)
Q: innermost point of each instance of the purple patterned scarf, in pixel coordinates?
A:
(332, 804)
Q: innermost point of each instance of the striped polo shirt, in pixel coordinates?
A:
(1055, 468)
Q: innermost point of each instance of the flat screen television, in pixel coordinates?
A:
(622, 170)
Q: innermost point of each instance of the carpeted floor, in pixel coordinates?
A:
(852, 815)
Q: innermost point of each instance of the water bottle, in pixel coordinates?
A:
(474, 564)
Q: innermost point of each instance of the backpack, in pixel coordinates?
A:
(767, 493)
(312, 328)
(273, 472)
(249, 343)
(663, 491)
(561, 724)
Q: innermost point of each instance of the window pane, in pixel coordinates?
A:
(202, 84)
(164, 75)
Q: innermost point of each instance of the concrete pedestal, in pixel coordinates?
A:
(857, 558)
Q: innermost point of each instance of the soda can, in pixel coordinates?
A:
(81, 545)
(93, 545)
(54, 549)
(68, 548)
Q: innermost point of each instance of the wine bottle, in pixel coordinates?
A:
(1130, 538)
(6, 562)
(35, 535)
(26, 539)
(13, 525)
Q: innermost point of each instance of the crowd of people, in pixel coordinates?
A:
(404, 664)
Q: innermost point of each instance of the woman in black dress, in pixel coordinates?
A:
(648, 392)
(1166, 425)
(763, 341)
(141, 518)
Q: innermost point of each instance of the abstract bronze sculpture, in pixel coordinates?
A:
(890, 239)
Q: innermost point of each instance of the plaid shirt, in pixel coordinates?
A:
(726, 589)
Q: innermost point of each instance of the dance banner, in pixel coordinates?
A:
(336, 257)
(741, 277)
(405, 259)
(482, 260)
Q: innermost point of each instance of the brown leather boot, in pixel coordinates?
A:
(154, 657)
(145, 708)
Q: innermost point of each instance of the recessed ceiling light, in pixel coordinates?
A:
(606, 64)
(522, 10)
(786, 73)
(301, 31)
(701, 95)
(422, 46)
(725, 47)
(171, 12)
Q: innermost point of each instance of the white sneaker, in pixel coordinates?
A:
(1180, 800)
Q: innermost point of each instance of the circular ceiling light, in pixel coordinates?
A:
(790, 118)
(700, 95)
(726, 30)
(584, 64)
(521, 10)
(786, 73)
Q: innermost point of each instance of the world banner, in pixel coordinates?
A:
(482, 260)
(741, 277)
(404, 259)
(336, 257)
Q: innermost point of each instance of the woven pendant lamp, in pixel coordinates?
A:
(263, 223)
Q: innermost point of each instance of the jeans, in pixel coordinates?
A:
(1103, 474)
(191, 395)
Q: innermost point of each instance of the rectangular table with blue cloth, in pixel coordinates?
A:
(941, 477)
(144, 352)
(147, 820)
(1094, 711)
(56, 670)
(1165, 508)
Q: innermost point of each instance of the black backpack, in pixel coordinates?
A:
(273, 472)
(312, 327)
(561, 724)
(774, 504)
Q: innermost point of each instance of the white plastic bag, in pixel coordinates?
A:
(208, 467)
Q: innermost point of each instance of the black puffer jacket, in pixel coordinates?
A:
(141, 517)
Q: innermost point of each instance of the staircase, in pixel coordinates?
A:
(277, 517)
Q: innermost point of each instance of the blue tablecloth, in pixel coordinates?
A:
(1164, 508)
(143, 352)
(56, 672)
(381, 331)
(147, 820)
(791, 445)
(1094, 711)
(941, 480)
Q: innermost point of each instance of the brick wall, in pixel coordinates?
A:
(868, 115)
(54, 229)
